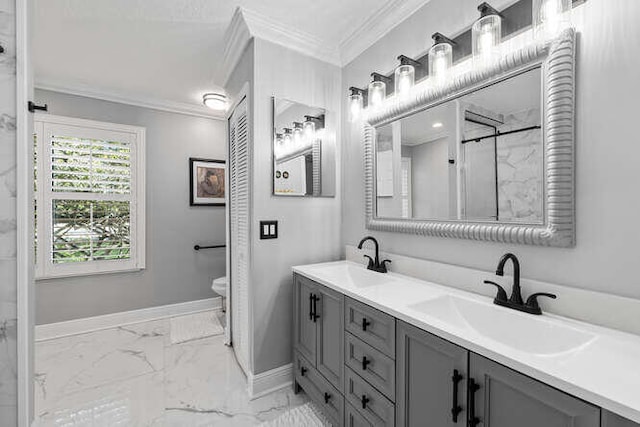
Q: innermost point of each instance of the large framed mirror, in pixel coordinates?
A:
(303, 151)
(488, 156)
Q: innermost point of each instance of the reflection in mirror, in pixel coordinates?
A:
(303, 151)
(478, 157)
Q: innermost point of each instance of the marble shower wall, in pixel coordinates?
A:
(520, 169)
(8, 321)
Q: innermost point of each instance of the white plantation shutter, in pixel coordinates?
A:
(239, 196)
(90, 203)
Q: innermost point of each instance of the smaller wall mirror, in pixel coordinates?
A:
(303, 151)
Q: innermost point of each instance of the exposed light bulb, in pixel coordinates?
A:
(297, 134)
(440, 61)
(404, 78)
(550, 17)
(487, 35)
(377, 93)
(356, 104)
(309, 127)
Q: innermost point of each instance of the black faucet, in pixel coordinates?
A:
(374, 264)
(515, 301)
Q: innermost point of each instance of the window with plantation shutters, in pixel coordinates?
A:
(89, 197)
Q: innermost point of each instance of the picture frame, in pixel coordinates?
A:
(207, 182)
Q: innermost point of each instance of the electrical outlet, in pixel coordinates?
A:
(268, 230)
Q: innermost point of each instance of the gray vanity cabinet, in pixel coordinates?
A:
(305, 325)
(319, 328)
(319, 344)
(429, 370)
(501, 397)
(613, 420)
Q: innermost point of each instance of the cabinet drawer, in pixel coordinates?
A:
(353, 418)
(370, 403)
(374, 327)
(319, 390)
(376, 368)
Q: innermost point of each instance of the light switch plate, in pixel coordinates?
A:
(268, 230)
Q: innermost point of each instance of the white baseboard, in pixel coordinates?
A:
(270, 381)
(90, 324)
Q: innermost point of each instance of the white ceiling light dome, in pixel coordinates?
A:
(215, 101)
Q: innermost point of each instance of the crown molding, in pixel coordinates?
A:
(377, 26)
(247, 24)
(236, 39)
(90, 91)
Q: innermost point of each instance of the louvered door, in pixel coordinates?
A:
(239, 197)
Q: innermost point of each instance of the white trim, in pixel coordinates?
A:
(236, 39)
(90, 324)
(377, 26)
(24, 206)
(135, 135)
(270, 381)
(111, 95)
(247, 24)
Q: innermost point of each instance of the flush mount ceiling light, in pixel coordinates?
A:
(215, 101)
(437, 125)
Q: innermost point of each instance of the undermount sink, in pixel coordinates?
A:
(524, 332)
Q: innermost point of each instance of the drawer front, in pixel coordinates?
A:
(319, 390)
(369, 402)
(353, 418)
(372, 326)
(376, 368)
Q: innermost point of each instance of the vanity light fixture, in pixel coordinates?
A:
(356, 103)
(405, 75)
(550, 17)
(215, 101)
(297, 133)
(486, 35)
(287, 139)
(377, 89)
(312, 125)
(440, 57)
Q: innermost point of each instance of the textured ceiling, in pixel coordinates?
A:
(164, 49)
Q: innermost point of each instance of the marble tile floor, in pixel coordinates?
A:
(133, 376)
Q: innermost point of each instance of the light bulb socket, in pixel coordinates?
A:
(405, 60)
(377, 77)
(297, 125)
(439, 38)
(486, 9)
(287, 131)
(317, 120)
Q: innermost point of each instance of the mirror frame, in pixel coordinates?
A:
(556, 57)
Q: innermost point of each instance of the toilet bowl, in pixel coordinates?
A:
(219, 286)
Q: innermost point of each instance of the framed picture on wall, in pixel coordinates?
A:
(206, 182)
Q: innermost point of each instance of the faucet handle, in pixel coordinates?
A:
(371, 263)
(383, 267)
(502, 294)
(532, 301)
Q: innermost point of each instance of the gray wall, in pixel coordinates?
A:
(309, 228)
(175, 272)
(8, 298)
(608, 201)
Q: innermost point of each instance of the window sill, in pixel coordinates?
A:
(61, 275)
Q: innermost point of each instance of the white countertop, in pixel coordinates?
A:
(603, 367)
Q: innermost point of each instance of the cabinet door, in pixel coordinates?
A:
(305, 339)
(505, 398)
(426, 390)
(613, 420)
(330, 339)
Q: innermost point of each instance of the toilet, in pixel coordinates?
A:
(219, 286)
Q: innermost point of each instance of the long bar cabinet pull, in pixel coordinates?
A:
(455, 408)
(473, 388)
